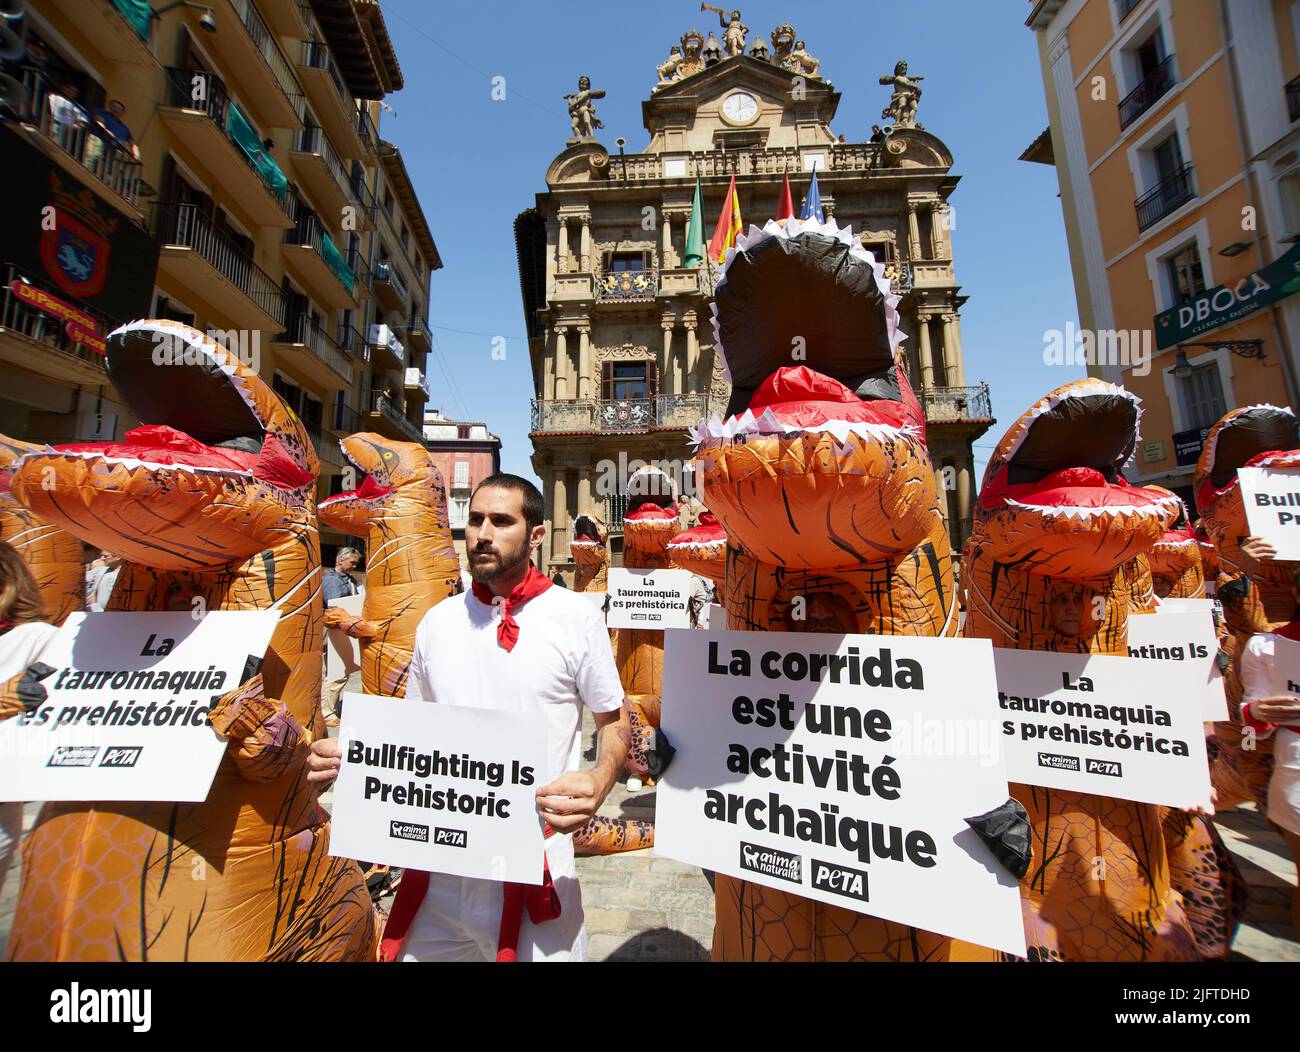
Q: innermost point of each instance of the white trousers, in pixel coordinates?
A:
(460, 918)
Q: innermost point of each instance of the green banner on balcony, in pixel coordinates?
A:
(1226, 303)
(336, 262)
(138, 13)
(246, 139)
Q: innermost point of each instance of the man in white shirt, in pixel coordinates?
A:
(514, 642)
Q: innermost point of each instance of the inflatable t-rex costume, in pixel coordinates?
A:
(1055, 518)
(223, 511)
(604, 835)
(820, 476)
(1254, 599)
(53, 556)
(1175, 559)
(702, 550)
(400, 507)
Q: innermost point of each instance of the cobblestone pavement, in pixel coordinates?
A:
(641, 907)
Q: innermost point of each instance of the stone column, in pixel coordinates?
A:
(666, 357)
(560, 517)
(548, 504)
(548, 367)
(927, 356)
(584, 362)
(939, 231)
(952, 351)
(666, 240)
(965, 494)
(913, 232)
(584, 244)
(585, 505)
(692, 365)
(562, 249)
(562, 389)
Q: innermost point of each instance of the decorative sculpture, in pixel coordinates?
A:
(211, 499)
(53, 556)
(582, 111)
(804, 63)
(671, 68)
(903, 102)
(821, 478)
(733, 37)
(1048, 569)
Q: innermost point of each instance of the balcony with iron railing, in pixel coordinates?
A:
(383, 338)
(350, 125)
(184, 231)
(1165, 197)
(957, 405)
(323, 173)
(776, 160)
(268, 81)
(1293, 99)
(346, 420)
(415, 381)
(199, 110)
(617, 414)
(67, 126)
(325, 444)
(390, 286)
(382, 406)
(319, 262)
(1149, 90)
(302, 331)
(57, 335)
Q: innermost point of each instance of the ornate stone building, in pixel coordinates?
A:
(619, 327)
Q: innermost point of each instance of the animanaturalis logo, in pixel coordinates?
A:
(1058, 761)
(408, 831)
(771, 862)
(75, 1005)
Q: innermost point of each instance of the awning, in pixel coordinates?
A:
(246, 139)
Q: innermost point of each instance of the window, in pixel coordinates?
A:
(620, 261)
(172, 311)
(625, 380)
(1149, 54)
(1183, 268)
(1202, 395)
(1168, 156)
(388, 204)
(460, 475)
(1288, 188)
(462, 431)
(406, 237)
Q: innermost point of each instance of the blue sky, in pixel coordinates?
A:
(477, 162)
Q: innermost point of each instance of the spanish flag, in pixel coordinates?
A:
(729, 225)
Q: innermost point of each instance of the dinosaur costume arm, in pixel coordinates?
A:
(352, 625)
(262, 736)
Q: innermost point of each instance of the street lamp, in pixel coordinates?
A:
(207, 22)
(1242, 348)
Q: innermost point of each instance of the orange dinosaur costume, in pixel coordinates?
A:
(820, 476)
(1055, 517)
(222, 511)
(400, 507)
(53, 556)
(604, 835)
(702, 550)
(1175, 559)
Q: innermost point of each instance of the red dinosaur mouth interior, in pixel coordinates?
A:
(799, 397)
(369, 490)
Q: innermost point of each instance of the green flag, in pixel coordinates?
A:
(695, 230)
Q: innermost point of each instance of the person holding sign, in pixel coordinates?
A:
(514, 643)
(1056, 530)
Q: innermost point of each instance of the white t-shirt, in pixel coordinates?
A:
(21, 646)
(560, 662)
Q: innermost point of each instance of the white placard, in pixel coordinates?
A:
(125, 717)
(1095, 723)
(443, 788)
(1272, 501)
(917, 750)
(1180, 635)
(342, 651)
(1286, 670)
(648, 598)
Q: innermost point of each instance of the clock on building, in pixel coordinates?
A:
(740, 107)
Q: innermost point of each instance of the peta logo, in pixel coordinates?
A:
(771, 862)
(75, 1005)
(1056, 760)
(839, 880)
(451, 837)
(1110, 767)
(408, 831)
(73, 756)
(120, 755)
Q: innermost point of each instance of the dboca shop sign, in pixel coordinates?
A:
(1226, 303)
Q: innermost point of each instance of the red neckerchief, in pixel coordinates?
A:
(533, 585)
(542, 900)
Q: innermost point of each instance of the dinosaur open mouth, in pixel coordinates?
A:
(1258, 436)
(586, 532)
(651, 495)
(195, 417)
(707, 536)
(369, 489)
(1068, 460)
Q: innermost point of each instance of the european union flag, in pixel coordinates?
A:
(812, 203)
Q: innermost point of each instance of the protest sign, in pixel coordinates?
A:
(1183, 635)
(1286, 669)
(443, 788)
(841, 769)
(648, 598)
(342, 651)
(125, 716)
(1272, 500)
(1129, 728)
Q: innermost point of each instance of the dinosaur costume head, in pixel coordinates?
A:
(53, 556)
(702, 549)
(652, 518)
(211, 502)
(1175, 559)
(400, 507)
(820, 477)
(589, 553)
(1255, 436)
(209, 478)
